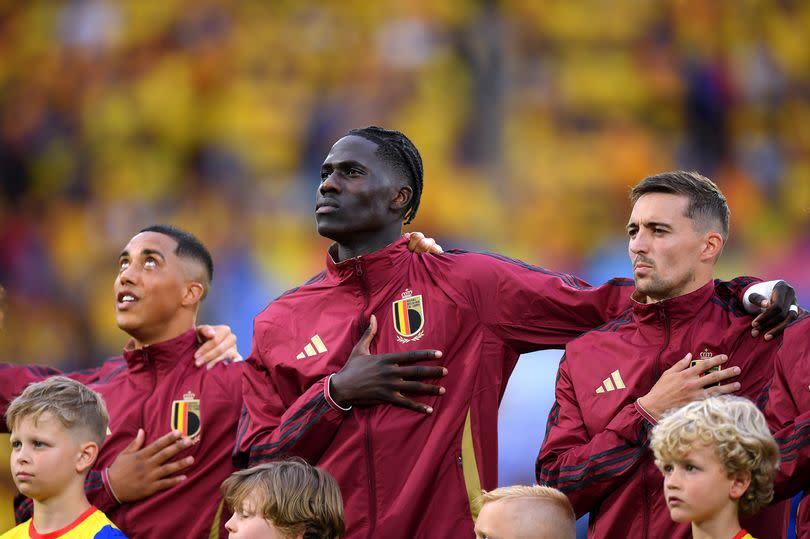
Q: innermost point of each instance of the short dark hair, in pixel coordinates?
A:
(398, 152)
(188, 246)
(706, 201)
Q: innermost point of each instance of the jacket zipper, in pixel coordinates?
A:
(153, 374)
(656, 375)
(657, 365)
(372, 494)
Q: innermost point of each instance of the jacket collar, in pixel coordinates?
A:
(677, 308)
(373, 268)
(165, 355)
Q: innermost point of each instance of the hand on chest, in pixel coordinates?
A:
(608, 382)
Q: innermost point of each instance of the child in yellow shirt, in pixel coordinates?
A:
(57, 427)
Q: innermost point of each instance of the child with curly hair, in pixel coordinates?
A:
(718, 459)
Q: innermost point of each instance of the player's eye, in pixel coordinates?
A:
(150, 263)
(123, 264)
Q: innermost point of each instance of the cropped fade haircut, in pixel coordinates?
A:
(535, 492)
(707, 203)
(398, 152)
(295, 496)
(188, 246)
(73, 404)
(735, 430)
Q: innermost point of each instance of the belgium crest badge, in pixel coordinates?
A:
(186, 416)
(409, 317)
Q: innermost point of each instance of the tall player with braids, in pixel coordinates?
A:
(408, 434)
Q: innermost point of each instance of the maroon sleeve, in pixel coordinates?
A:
(15, 378)
(531, 308)
(788, 408)
(794, 452)
(98, 491)
(272, 427)
(586, 468)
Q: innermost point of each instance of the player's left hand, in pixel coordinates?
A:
(777, 312)
(219, 344)
(418, 243)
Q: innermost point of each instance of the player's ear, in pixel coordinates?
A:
(193, 293)
(86, 457)
(712, 246)
(739, 484)
(402, 198)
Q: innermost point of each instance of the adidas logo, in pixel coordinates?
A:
(611, 383)
(314, 347)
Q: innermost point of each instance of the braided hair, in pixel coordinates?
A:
(397, 151)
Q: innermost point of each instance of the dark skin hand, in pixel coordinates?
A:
(138, 472)
(368, 380)
(776, 314)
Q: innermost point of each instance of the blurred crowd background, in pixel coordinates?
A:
(533, 118)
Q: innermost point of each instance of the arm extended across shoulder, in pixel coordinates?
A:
(530, 307)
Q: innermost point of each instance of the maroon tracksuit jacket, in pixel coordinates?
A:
(596, 446)
(405, 474)
(145, 389)
(788, 413)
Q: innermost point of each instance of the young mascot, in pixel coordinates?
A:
(284, 500)
(719, 460)
(57, 427)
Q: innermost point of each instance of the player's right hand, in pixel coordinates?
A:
(138, 472)
(681, 384)
(367, 379)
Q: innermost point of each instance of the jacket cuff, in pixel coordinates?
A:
(328, 397)
(106, 499)
(631, 425)
(645, 414)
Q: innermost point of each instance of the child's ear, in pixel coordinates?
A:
(88, 452)
(739, 484)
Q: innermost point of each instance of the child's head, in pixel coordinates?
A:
(530, 512)
(713, 452)
(57, 427)
(284, 500)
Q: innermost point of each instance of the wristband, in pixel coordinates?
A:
(329, 397)
(109, 485)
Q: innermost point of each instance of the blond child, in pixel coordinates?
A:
(284, 500)
(525, 512)
(57, 427)
(718, 459)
